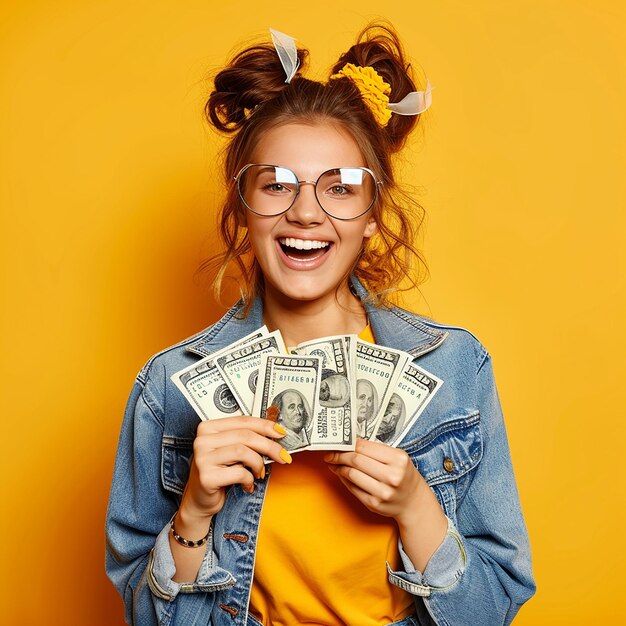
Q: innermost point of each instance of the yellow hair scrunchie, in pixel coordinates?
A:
(374, 90)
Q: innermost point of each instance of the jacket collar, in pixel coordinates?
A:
(228, 329)
(397, 328)
(392, 327)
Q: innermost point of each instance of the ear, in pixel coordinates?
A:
(370, 228)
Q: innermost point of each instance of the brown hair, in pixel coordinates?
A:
(250, 96)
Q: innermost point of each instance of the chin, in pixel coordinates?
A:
(305, 293)
(314, 287)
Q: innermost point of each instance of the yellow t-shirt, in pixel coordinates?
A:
(321, 554)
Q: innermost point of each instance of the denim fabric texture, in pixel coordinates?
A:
(479, 576)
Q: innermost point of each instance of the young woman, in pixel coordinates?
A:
(429, 532)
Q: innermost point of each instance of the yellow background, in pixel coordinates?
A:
(107, 186)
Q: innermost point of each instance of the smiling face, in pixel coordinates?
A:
(304, 254)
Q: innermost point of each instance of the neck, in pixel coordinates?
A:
(300, 321)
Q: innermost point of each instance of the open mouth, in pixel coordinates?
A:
(303, 249)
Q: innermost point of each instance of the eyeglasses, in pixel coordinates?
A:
(343, 193)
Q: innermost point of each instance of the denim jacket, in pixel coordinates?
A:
(479, 576)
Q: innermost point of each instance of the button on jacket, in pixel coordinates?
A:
(479, 576)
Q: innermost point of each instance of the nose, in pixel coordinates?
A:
(306, 209)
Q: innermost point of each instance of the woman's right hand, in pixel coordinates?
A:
(229, 451)
(226, 451)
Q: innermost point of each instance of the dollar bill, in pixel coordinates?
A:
(377, 370)
(204, 386)
(414, 390)
(291, 383)
(240, 367)
(334, 425)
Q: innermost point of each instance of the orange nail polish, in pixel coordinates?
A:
(285, 456)
(279, 429)
(262, 476)
(272, 413)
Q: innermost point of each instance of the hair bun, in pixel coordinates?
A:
(254, 76)
(379, 47)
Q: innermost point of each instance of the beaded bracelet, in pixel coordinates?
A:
(187, 542)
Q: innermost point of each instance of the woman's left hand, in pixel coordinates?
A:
(383, 478)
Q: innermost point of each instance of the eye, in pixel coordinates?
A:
(276, 188)
(338, 191)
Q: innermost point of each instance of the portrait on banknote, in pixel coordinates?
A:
(392, 421)
(295, 416)
(291, 384)
(367, 408)
(334, 389)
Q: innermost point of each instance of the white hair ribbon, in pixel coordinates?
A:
(287, 53)
(413, 103)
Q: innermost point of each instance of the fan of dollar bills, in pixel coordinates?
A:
(326, 392)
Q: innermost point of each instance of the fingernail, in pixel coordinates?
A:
(285, 456)
(279, 429)
(262, 476)
(272, 413)
(249, 489)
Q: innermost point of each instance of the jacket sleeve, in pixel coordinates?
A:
(139, 561)
(483, 567)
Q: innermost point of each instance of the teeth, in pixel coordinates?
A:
(303, 244)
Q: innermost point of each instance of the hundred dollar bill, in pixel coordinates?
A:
(334, 424)
(414, 390)
(377, 369)
(240, 367)
(291, 383)
(205, 388)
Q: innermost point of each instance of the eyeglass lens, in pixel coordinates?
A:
(344, 193)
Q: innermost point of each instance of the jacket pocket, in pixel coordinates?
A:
(176, 453)
(447, 456)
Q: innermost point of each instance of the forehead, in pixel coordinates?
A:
(308, 149)
(291, 396)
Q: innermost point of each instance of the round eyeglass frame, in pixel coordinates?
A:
(237, 178)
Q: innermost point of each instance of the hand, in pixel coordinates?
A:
(382, 478)
(385, 480)
(226, 452)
